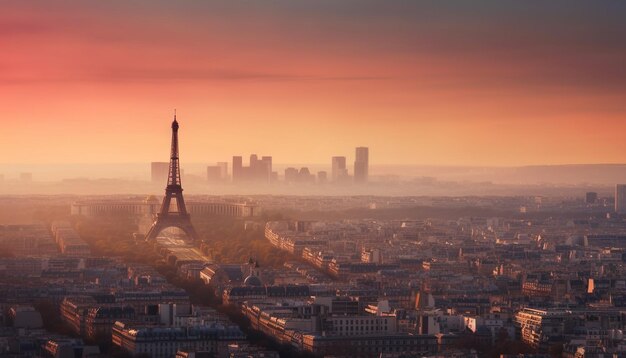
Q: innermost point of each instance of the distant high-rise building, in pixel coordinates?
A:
(218, 172)
(361, 165)
(159, 172)
(253, 160)
(305, 176)
(322, 177)
(223, 170)
(291, 175)
(259, 170)
(620, 198)
(237, 168)
(266, 172)
(339, 170)
(26, 177)
(591, 197)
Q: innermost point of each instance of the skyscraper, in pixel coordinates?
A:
(339, 170)
(620, 198)
(291, 175)
(266, 172)
(223, 170)
(259, 170)
(237, 168)
(159, 172)
(322, 177)
(361, 165)
(305, 176)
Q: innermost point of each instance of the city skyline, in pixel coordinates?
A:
(361, 178)
(522, 86)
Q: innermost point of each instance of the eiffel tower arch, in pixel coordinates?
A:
(173, 212)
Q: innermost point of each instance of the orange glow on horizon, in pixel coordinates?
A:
(99, 84)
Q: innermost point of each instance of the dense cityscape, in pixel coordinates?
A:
(264, 277)
(313, 178)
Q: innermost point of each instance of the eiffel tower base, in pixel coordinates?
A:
(167, 221)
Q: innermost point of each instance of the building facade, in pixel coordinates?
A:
(150, 206)
(361, 165)
(339, 169)
(164, 342)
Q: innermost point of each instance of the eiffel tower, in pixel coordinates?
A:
(176, 216)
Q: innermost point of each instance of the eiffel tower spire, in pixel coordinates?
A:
(174, 174)
(176, 216)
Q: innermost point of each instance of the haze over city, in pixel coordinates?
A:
(313, 178)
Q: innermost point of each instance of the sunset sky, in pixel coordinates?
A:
(419, 82)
